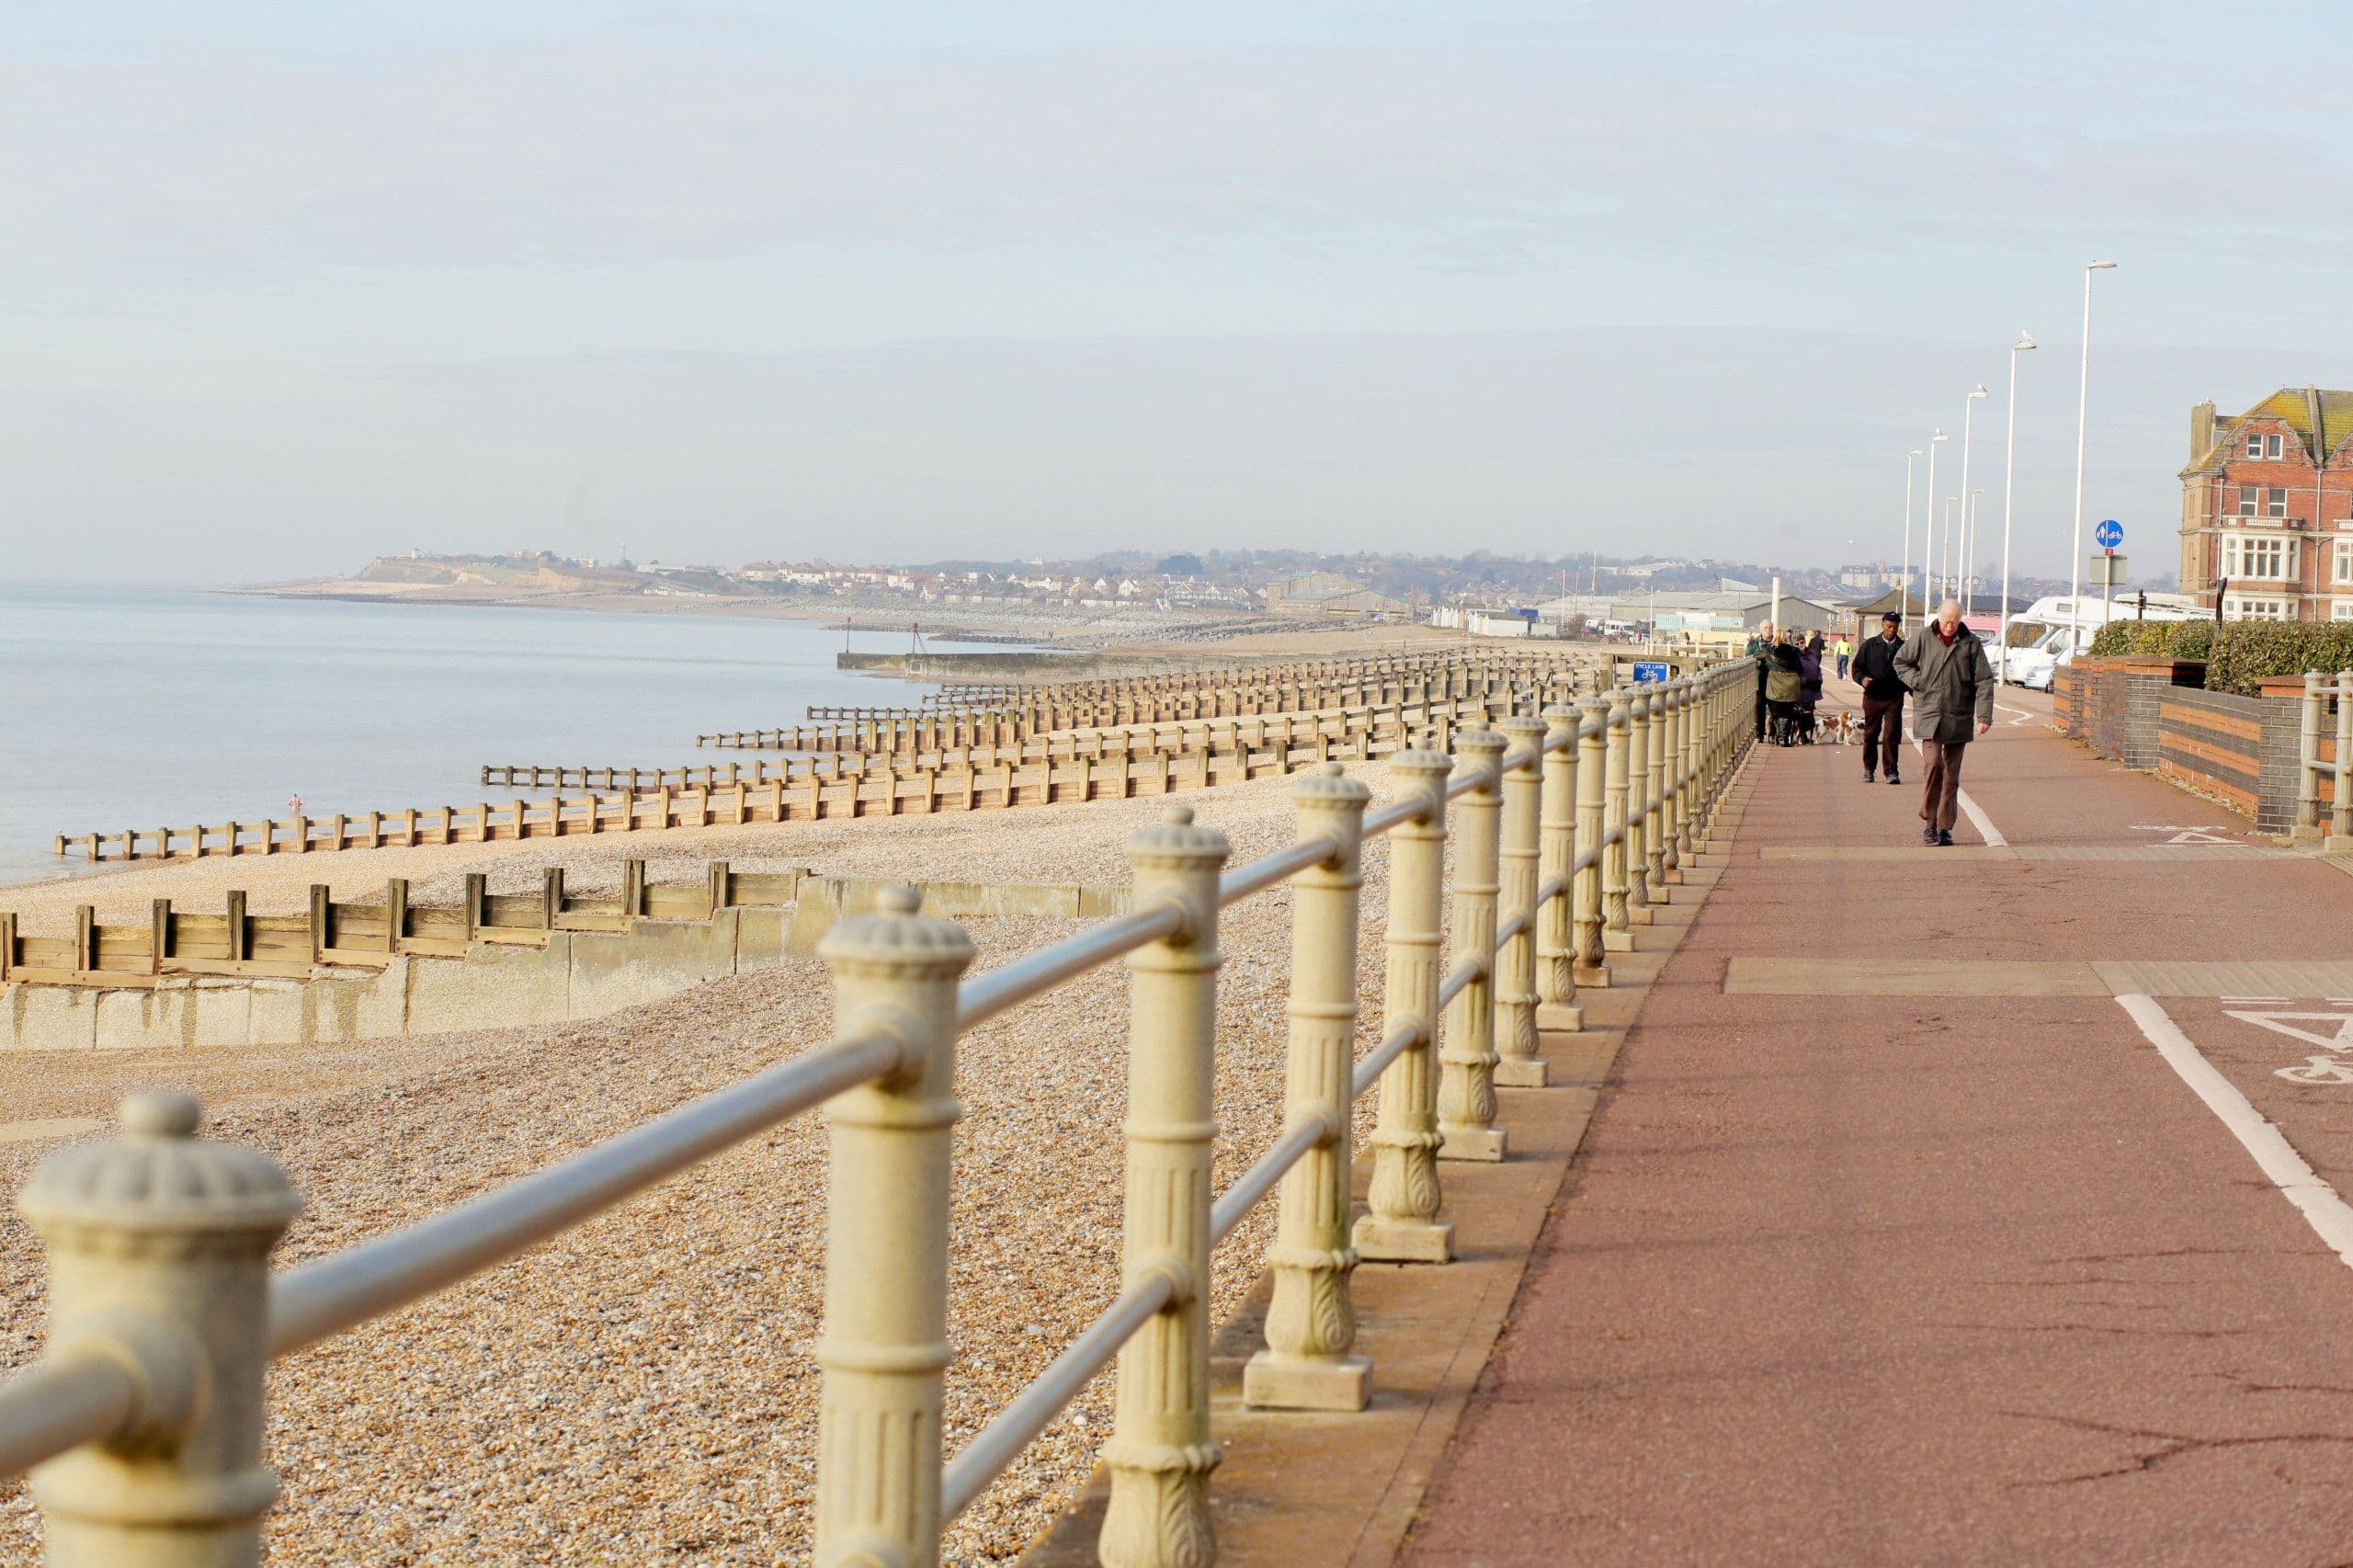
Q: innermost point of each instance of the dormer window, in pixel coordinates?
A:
(2262, 445)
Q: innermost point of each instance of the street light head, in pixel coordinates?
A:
(2098, 266)
(1940, 436)
(2026, 340)
(1915, 452)
(1979, 392)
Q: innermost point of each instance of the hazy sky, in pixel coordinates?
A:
(282, 287)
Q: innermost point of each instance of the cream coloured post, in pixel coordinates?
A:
(1161, 1453)
(884, 1345)
(1617, 855)
(1686, 764)
(1670, 789)
(1556, 982)
(1466, 1087)
(1638, 805)
(159, 1245)
(1651, 759)
(1309, 1362)
(1518, 1066)
(1586, 924)
(2340, 807)
(1400, 1224)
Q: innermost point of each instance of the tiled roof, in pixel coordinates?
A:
(2293, 406)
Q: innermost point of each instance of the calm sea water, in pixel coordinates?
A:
(124, 709)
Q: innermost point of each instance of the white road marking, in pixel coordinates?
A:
(2024, 715)
(2328, 1215)
(1969, 808)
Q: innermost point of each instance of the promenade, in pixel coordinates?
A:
(1937, 1212)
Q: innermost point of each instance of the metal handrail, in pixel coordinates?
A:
(345, 1289)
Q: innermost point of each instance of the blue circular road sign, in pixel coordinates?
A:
(2109, 534)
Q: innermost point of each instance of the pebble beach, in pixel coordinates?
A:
(642, 1389)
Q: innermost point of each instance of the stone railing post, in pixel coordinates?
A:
(2307, 825)
(1466, 1087)
(1695, 735)
(1556, 982)
(1518, 1066)
(1638, 808)
(1671, 835)
(884, 1344)
(1589, 966)
(1161, 1453)
(159, 1246)
(1309, 1363)
(1617, 858)
(1400, 1224)
(2340, 814)
(1652, 761)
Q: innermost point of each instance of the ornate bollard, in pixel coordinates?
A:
(1556, 982)
(1161, 1453)
(1638, 811)
(1466, 1087)
(1652, 760)
(2340, 810)
(1400, 1224)
(884, 1347)
(1308, 1363)
(1687, 793)
(159, 1260)
(1518, 1066)
(1670, 789)
(1617, 855)
(2307, 825)
(1593, 816)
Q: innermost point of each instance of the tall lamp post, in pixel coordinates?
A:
(2083, 410)
(1968, 416)
(1903, 584)
(2010, 465)
(1969, 553)
(1944, 558)
(1928, 522)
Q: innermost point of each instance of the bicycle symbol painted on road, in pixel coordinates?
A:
(2315, 1069)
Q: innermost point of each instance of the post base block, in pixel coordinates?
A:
(1484, 1144)
(1272, 1382)
(1672, 876)
(1617, 941)
(1511, 1074)
(1559, 1017)
(1594, 975)
(1639, 914)
(2337, 844)
(1394, 1241)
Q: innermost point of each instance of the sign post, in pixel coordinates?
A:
(2108, 536)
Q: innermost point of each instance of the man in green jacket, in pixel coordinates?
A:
(1952, 683)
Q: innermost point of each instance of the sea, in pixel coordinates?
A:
(134, 708)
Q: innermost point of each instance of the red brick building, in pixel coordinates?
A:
(2267, 507)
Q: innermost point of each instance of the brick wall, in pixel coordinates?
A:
(2154, 714)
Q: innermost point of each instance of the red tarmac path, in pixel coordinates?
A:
(1941, 1278)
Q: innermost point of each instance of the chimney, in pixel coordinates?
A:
(2201, 429)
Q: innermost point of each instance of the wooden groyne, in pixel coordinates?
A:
(917, 729)
(1106, 765)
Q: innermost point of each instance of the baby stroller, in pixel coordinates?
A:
(1784, 686)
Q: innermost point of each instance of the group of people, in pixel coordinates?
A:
(1942, 667)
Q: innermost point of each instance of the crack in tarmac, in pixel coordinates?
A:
(2171, 1445)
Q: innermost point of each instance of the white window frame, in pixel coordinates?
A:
(2259, 557)
(2253, 444)
(2340, 610)
(2241, 606)
(2274, 507)
(2341, 564)
(2274, 445)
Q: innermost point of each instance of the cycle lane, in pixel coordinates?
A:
(1966, 1273)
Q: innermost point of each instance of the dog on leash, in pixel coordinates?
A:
(1847, 730)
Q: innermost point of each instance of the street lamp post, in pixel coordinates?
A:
(1928, 522)
(1944, 558)
(1969, 553)
(2010, 465)
(1968, 418)
(2083, 410)
(1904, 583)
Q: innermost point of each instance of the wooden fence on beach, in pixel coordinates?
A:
(1113, 764)
(232, 943)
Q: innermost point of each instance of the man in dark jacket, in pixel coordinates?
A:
(1760, 648)
(1952, 683)
(1883, 699)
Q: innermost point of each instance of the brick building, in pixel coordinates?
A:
(2267, 507)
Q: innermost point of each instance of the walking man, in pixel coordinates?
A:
(1760, 648)
(1845, 651)
(1882, 701)
(1952, 683)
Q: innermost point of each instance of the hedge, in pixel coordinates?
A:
(2153, 639)
(2247, 651)
(2238, 653)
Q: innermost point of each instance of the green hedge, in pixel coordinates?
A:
(2153, 639)
(2238, 653)
(2247, 651)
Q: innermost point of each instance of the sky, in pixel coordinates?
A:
(285, 287)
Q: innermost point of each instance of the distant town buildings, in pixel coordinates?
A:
(2267, 507)
(1317, 594)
